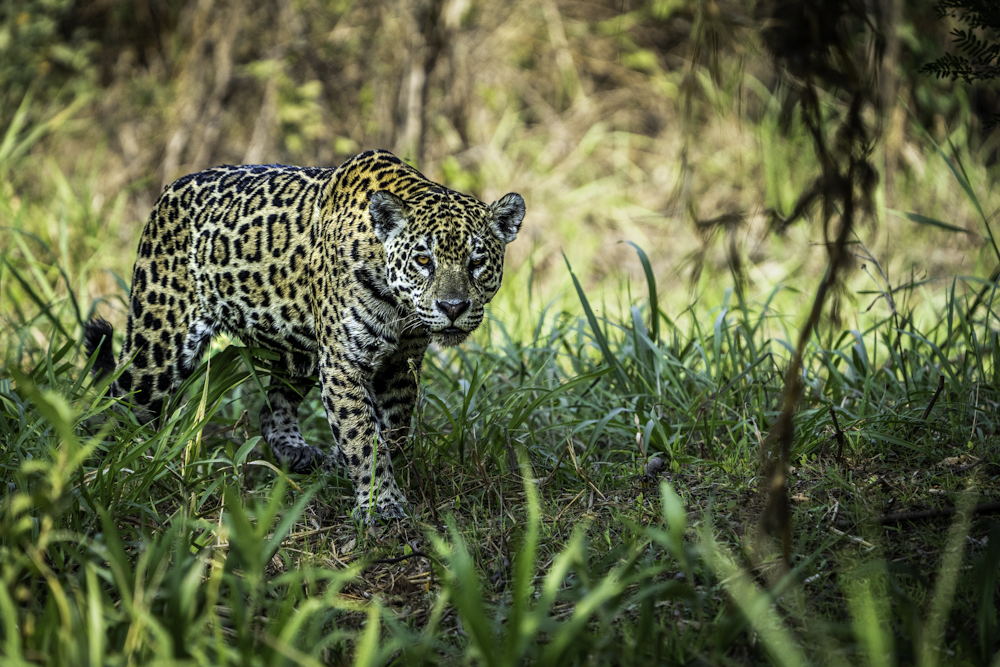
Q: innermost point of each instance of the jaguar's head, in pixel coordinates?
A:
(444, 255)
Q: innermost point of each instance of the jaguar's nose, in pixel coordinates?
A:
(453, 309)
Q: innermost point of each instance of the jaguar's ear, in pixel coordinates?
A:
(388, 213)
(508, 212)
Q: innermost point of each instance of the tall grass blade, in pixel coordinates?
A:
(870, 621)
(755, 604)
(42, 305)
(367, 653)
(467, 594)
(944, 589)
(654, 302)
(520, 632)
(962, 177)
(925, 220)
(595, 328)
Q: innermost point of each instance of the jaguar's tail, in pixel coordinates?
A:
(97, 336)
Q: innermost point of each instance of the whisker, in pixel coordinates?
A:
(408, 322)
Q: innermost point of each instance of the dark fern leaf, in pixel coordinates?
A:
(978, 55)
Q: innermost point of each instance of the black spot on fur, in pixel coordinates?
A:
(97, 336)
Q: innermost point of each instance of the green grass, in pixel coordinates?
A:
(585, 474)
(540, 532)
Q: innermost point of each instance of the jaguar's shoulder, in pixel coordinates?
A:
(248, 179)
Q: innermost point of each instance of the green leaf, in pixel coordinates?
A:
(924, 220)
(595, 327)
(654, 303)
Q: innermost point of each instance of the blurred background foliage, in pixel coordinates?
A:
(610, 117)
(662, 123)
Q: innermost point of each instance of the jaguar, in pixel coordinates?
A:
(345, 274)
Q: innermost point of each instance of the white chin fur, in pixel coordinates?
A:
(449, 339)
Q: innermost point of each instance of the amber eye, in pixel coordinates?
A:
(476, 262)
(423, 260)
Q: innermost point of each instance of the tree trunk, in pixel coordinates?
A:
(429, 34)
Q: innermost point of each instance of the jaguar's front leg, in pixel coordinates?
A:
(396, 385)
(357, 427)
(279, 426)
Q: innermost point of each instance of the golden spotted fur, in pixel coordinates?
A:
(347, 273)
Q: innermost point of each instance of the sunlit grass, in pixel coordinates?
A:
(545, 526)
(583, 473)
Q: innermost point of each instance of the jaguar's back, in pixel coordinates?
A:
(348, 273)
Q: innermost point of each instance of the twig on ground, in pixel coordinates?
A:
(390, 561)
(840, 436)
(852, 538)
(563, 511)
(924, 515)
(967, 466)
(554, 470)
(934, 398)
(579, 471)
(413, 554)
(511, 456)
(981, 508)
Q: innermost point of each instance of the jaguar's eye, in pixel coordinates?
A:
(423, 260)
(476, 262)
